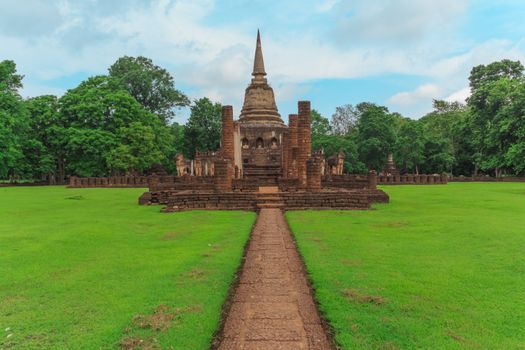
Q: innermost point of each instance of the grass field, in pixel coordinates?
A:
(440, 267)
(91, 269)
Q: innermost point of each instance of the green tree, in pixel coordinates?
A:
(446, 134)
(375, 136)
(320, 125)
(203, 129)
(493, 96)
(15, 132)
(152, 86)
(136, 152)
(409, 146)
(47, 157)
(104, 130)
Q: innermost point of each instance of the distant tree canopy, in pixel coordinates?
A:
(122, 123)
(152, 86)
(203, 129)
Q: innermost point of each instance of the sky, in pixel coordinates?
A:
(397, 53)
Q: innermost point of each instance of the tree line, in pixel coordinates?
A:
(121, 123)
(484, 136)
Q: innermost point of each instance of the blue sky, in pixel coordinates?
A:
(401, 54)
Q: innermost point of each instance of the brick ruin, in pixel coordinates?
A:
(263, 163)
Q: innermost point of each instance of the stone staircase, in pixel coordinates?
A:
(269, 197)
(262, 172)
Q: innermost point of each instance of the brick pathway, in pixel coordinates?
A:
(273, 307)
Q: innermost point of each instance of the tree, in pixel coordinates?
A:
(15, 132)
(320, 125)
(46, 156)
(137, 150)
(344, 119)
(445, 133)
(152, 86)
(109, 132)
(493, 96)
(409, 146)
(203, 129)
(482, 75)
(10, 82)
(375, 136)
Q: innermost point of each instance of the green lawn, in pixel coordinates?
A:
(440, 267)
(89, 269)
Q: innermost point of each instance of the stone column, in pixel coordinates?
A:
(313, 172)
(72, 181)
(223, 175)
(444, 178)
(153, 182)
(372, 180)
(292, 148)
(285, 152)
(304, 141)
(227, 151)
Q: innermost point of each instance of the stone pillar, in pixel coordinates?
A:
(313, 172)
(285, 154)
(292, 148)
(227, 151)
(372, 180)
(72, 181)
(153, 182)
(444, 178)
(223, 175)
(304, 141)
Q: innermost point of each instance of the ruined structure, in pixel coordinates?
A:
(391, 166)
(263, 163)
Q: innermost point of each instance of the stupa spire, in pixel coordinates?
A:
(258, 62)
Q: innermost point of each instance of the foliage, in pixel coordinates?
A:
(16, 138)
(203, 129)
(320, 125)
(121, 124)
(375, 136)
(152, 86)
(409, 147)
(497, 115)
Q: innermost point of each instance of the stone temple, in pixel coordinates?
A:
(262, 162)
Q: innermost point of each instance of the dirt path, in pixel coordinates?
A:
(273, 307)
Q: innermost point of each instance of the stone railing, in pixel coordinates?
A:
(411, 179)
(346, 181)
(113, 181)
(180, 183)
(486, 179)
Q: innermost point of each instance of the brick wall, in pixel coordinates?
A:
(410, 179)
(486, 179)
(113, 181)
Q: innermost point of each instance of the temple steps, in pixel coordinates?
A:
(269, 197)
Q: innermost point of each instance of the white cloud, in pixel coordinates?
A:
(415, 38)
(422, 93)
(460, 95)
